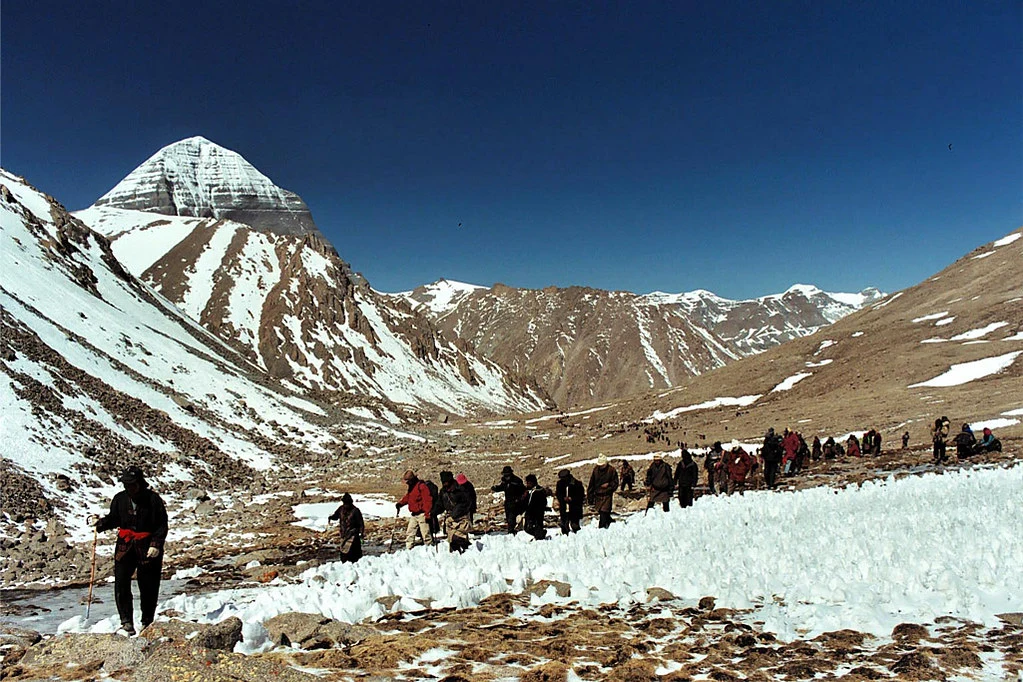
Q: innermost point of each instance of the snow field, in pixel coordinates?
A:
(808, 562)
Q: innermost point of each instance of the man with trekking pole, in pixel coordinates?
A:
(141, 519)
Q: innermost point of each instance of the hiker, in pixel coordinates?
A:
(627, 476)
(852, 445)
(513, 489)
(600, 492)
(658, 482)
(802, 454)
(790, 444)
(816, 452)
(965, 442)
(352, 528)
(457, 505)
(140, 516)
(875, 448)
(470, 490)
(772, 452)
(687, 474)
(988, 443)
(710, 461)
(939, 438)
(738, 464)
(905, 440)
(420, 505)
(570, 495)
(536, 506)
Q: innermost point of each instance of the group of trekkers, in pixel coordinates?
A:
(965, 441)
(140, 517)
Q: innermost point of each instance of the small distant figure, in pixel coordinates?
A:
(351, 529)
(659, 483)
(687, 474)
(852, 446)
(600, 493)
(536, 506)
(939, 438)
(905, 440)
(570, 496)
(816, 451)
(988, 443)
(738, 464)
(965, 442)
(627, 475)
(772, 453)
(710, 462)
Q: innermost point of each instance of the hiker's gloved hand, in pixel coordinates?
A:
(152, 553)
(397, 506)
(92, 520)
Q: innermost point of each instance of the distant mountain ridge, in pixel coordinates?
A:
(284, 298)
(589, 344)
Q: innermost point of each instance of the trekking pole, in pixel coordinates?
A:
(394, 528)
(92, 573)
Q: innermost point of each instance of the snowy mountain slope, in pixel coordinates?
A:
(588, 344)
(195, 177)
(294, 308)
(98, 371)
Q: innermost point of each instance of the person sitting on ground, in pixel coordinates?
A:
(830, 450)
(351, 529)
(988, 443)
(627, 475)
(570, 496)
(816, 451)
(536, 506)
(965, 442)
(420, 505)
(687, 474)
(852, 445)
(457, 505)
(513, 489)
(658, 482)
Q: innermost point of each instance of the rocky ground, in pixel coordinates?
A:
(248, 538)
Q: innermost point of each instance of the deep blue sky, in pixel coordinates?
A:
(734, 146)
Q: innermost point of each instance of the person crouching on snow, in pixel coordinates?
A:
(141, 519)
(457, 506)
(352, 528)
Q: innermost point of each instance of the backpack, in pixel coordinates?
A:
(438, 506)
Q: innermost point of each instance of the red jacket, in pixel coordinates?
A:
(791, 445)
(418, 499)
(738, 464)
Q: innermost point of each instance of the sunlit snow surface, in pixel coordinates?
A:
(811, 561)
(965, 372)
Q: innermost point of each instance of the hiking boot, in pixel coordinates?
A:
(128, 628)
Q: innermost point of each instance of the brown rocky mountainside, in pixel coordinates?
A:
(286, 300)
(587, 345)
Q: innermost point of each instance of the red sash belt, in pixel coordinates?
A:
(130, 535)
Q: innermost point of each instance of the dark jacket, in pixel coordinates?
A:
(536, 503)
(513, 489)
(148, 516)
(570, 495)
(658, 476)
(350, 518)
(687, 475)
(772, 451)
(456, 501)
(470, 491)
(603, 484)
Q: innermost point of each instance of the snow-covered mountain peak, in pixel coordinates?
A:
(198, 178)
